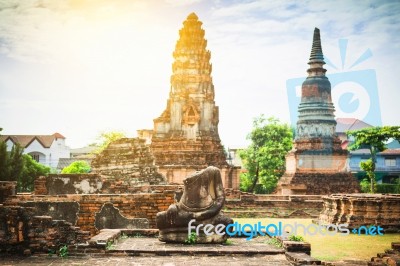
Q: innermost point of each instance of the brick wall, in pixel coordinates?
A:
(362, 210)
(144, 205)
(58, 184)
(7, 188)
(23, 232)
(240, 204)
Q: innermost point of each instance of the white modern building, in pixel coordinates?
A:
(45, 149)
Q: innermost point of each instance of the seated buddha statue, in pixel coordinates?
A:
(202, 200)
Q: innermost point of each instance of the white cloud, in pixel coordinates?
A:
(182, 2)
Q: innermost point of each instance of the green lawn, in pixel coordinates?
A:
(337, 247)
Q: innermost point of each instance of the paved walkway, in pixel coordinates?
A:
(152, 246)
(150, 251)
(270, 260)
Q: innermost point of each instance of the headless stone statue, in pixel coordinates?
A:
(202, 200)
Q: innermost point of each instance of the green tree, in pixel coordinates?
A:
(16, 162)
(16, 166)
(374, 139)
(31, 171)
(77, 167)
(106, 138)
(4, 158)
(264, 159)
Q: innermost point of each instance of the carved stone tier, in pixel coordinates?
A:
(128, 158)
(320, 145)
(362, 210)
(308, 157)
(180, 151)
(317, 183)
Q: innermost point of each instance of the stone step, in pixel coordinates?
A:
(396, 246)
(347, 263)
(301, 259)
(151, 246)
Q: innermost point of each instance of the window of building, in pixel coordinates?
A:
(35, 157)
(390, 162)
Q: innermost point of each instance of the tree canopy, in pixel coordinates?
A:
(31, 171)
(374, 139)
(105, 138)
(16, 166)
(77, 167)
(264, 159)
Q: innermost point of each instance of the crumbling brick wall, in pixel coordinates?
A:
(23, 232)
(362, 210)
(7, 188)
(241, 204)
(58, 184)
(143, 205)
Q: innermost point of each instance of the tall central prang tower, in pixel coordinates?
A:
(317, 162)
(185, 136)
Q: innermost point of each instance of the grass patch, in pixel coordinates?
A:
(337, 247)
(274, 241)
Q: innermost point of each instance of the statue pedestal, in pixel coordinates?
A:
(180, 235)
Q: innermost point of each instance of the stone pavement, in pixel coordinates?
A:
(152, 246)
(270, 260)
(150, 251)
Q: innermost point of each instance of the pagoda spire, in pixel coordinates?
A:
(317, 162)
(191, 70)
(316, 110)
(316, 61)
(191, 109)
(186, 133)
(316, 50)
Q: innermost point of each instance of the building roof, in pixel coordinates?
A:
(26, 140)
(391, 152)
(346, 124)
(385, 152)
(83, 150)
(361, 151)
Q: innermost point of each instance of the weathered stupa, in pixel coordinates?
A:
(317, 162)
(185, 137)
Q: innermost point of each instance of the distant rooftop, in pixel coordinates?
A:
(391, 152)
(84, 150)
(26, 140)
(346, 124)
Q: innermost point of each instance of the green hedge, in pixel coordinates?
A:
(388, 188)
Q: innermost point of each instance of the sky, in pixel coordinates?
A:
(82, 67)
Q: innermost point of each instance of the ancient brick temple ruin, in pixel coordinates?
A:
(130, 159)
(317, 162)
(362, 210)
(185, 136)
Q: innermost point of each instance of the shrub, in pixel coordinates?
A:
(192, 239)
(296, 238)
(388, 188)
(63, 251)
(77, 167)
(275, 242)
(365, 185)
